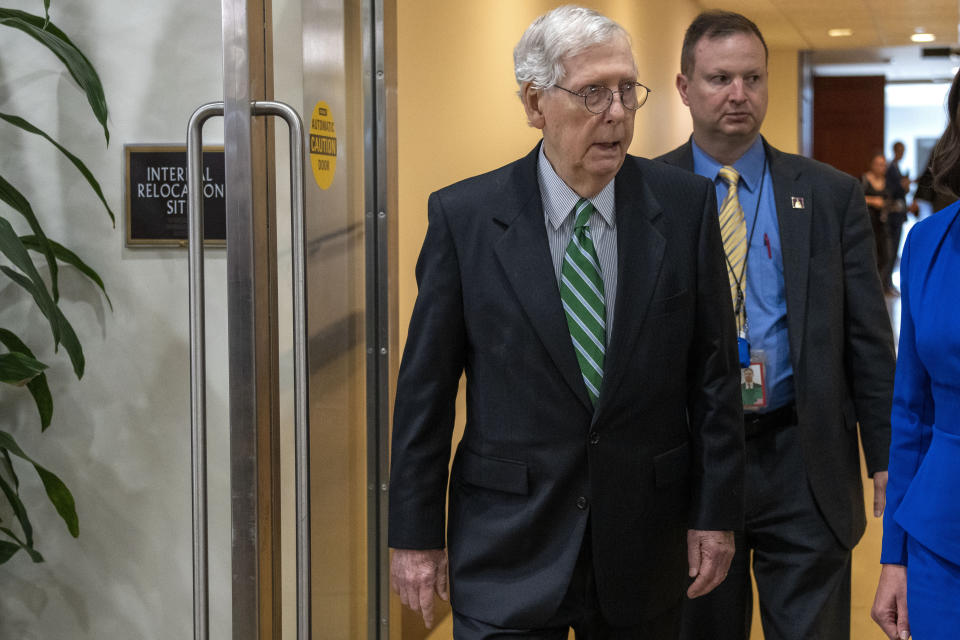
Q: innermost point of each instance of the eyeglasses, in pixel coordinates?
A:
(598, 99)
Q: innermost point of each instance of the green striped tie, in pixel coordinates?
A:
(581, 290)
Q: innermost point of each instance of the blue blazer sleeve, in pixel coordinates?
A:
(911, 419)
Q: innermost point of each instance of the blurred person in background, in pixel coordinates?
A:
(874, 183)
(898, 188)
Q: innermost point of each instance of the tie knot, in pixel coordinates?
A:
(581, 213)
(729, 175)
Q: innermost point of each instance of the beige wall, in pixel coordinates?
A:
(781, 127)
(459, 115)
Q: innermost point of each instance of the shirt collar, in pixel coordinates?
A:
(750, 165)
(559, 199)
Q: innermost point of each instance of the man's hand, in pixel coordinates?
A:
(415, 574)
(890, 605)
(709, 554)
(879, 493)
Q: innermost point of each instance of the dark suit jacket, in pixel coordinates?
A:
(664, 449)
(841, 344)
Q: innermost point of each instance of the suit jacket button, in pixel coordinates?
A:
(581, 503)
(594, 437)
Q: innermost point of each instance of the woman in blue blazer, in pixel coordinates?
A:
(919, 590)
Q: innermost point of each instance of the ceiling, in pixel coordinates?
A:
(880, 43)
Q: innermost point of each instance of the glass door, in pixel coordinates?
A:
(325, 59)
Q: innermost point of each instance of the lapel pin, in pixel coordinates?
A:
(796, 202)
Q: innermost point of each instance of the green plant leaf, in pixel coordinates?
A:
(40, 391)
(61, 498)
(47, 33)
(46, 10)
(34, 554)
(57, 491)
(19, 511)
(8, 468)
(38, 387)
(68, 257)
(17, 121)
(45, 302)
(71, 343)
(18, 369)
(10, 195)
(11, 247)
(7, 550)
(68, 338)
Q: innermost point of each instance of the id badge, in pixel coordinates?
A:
(753, 383)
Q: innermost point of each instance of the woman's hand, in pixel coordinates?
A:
(890, 605)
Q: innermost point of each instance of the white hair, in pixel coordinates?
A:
(555, 36)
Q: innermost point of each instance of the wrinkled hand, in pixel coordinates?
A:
(890, 605)
(709, 554)
(415, 574)
(879, 493)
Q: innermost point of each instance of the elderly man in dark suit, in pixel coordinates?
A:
(809, 305)
(582, 291)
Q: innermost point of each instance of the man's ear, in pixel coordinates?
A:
(682, 88)
(531, 97)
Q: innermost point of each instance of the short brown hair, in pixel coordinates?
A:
(714, 24)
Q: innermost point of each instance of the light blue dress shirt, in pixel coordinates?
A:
(766, 301)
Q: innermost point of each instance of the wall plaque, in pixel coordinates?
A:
(155, 179)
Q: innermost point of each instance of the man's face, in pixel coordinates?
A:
(748, 375)
(727, 88)
(898, 150)
(586, 149)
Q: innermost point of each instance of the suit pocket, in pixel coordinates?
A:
(671, 466)
(499, 474)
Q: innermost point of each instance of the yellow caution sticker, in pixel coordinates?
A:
(323, 145)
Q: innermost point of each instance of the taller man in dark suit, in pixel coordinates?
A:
(583, 293)
(810, 308)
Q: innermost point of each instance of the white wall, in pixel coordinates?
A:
(120, 436)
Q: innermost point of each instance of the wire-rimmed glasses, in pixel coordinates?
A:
(598, 99)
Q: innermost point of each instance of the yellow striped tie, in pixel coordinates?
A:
(733, 230)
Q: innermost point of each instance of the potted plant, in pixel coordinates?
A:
(31, 262)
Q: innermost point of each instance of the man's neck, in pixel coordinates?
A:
(724, 150)
(585, 185)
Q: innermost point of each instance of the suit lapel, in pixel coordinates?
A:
(640, 251)
(524, 253)
(794, 201)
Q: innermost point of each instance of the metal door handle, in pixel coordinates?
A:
(198, 368)
(198, 417)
